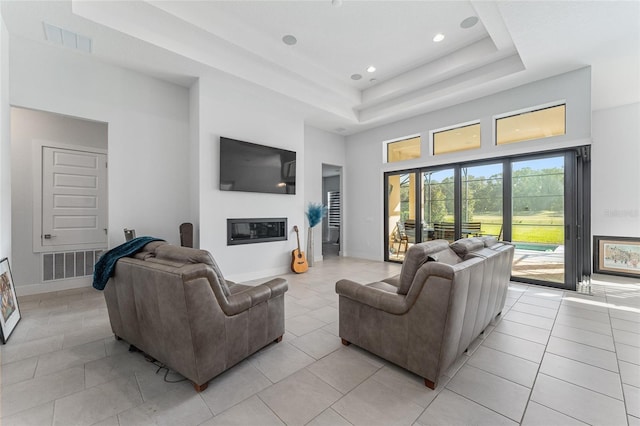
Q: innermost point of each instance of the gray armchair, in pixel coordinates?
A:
(173, 304)
(426, 317)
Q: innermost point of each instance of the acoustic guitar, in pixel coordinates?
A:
(299, 263)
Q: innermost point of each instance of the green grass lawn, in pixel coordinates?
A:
(539, 227)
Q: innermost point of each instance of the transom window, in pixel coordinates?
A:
(404, 149)
(457, 139)
(538, 124)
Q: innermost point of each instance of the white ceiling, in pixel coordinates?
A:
(513, 43)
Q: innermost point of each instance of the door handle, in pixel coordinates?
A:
(48, 236)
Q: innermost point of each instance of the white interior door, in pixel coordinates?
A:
(74, 197)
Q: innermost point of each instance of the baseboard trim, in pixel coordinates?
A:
(363, 255)
(249, 276)
(52, 286)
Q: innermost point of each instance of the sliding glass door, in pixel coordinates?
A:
(537, 202)
(400, 212)
(482, 195)
(438, 204)
(538, 218)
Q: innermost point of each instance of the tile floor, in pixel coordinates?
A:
(553, 358)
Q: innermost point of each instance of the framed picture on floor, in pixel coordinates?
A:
(9, 311)
(616, 256)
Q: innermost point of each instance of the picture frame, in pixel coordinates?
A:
(9, 309)
(616, 256)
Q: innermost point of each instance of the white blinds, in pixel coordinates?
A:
(334, 209)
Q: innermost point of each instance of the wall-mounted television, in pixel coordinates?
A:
(250, 167)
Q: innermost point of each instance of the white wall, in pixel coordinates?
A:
(156, 179)
(364, 178)
(615, 153)
(148, 120)
(194, 162)
(237, 110)
(5, 147)
(321, 147)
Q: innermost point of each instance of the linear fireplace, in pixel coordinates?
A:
(250, 231)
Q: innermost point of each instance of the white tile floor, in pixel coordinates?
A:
(553, 358)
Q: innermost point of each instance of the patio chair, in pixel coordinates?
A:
(400, 237)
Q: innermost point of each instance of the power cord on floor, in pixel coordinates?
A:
(162, 366)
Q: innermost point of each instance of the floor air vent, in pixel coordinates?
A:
(69, 264)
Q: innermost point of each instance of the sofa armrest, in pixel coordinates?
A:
(235, 303)
(244, 300)
(373, 297)
(278, 286)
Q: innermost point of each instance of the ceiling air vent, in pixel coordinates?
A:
(67, 38)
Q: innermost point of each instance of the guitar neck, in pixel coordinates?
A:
(298, 238)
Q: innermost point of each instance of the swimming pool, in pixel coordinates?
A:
(536, 246)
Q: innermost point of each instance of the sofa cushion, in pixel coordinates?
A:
(394, 280)
(149, 250)
(143, 255)
(183, 254)
(465, 245)
(418, 254)
(447, 256)
(153, 245)
(489, 240)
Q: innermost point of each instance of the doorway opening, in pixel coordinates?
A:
(332, 198)
(59, 197)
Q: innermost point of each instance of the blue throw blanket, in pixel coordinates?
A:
(106, 264)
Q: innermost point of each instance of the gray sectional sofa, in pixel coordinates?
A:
(173, 304)
(426, 317)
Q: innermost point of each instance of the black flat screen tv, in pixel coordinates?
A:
(250, 167)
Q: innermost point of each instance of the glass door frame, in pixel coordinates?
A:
(569, 210)
(577, 210)
(387, 231)
(459, 212)
(456, 194)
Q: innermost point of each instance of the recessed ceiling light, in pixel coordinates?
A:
(373, 80)
(356, 77)
(289, 40)
(371, 69)
(336, 3)
(341, 129)
(438, 37)
(469, 22)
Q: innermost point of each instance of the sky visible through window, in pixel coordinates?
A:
(541, 163)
